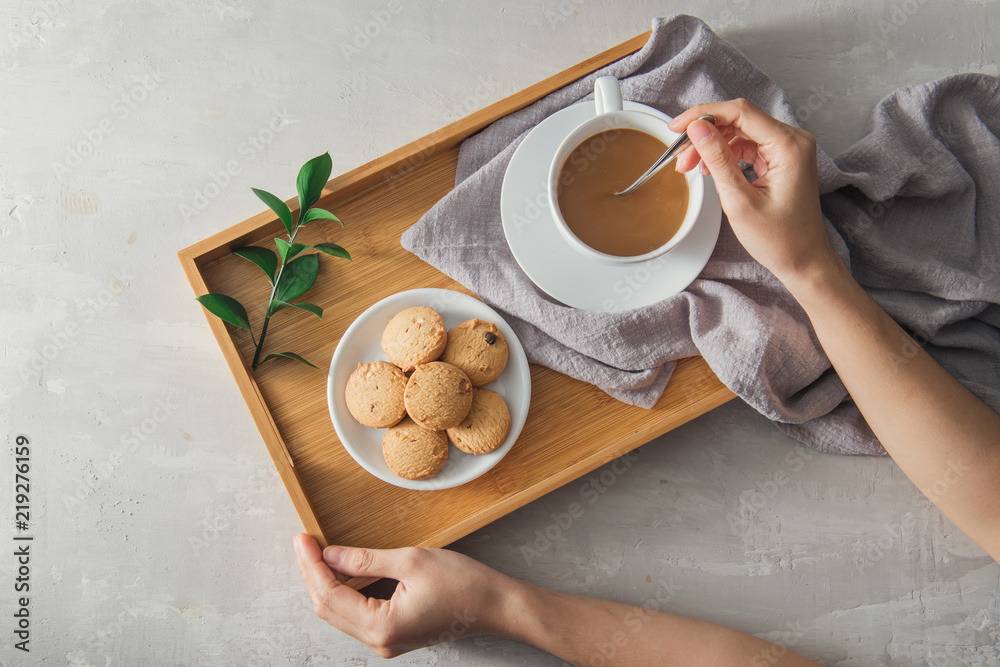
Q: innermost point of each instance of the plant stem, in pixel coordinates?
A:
(274, 289)
(263, 332)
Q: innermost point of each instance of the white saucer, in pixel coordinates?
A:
(362, 343)
(559, 270)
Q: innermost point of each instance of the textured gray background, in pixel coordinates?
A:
(162, 532)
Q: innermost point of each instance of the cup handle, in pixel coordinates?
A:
(607, 95)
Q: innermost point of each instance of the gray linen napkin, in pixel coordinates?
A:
(914, 207)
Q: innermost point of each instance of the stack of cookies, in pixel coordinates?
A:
(431, 392)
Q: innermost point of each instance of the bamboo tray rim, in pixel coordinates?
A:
(397, 164)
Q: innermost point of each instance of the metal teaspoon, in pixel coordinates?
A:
(679, 144)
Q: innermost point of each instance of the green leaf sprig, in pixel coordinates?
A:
(290, 272)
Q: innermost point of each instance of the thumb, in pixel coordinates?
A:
(357, 562)
(718, 157)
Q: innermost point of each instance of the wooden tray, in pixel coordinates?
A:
(572, 427)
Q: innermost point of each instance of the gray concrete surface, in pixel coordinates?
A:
(162, 535)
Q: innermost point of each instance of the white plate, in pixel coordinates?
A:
(362, 343)
(559, 270)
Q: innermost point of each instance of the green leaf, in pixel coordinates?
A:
(278, 206)
(226, 308)
(297, 277)
(262, 257)
(312, 308)
(288, 250)
(319, 214)
(333, 249)
(290, 355)
(312, 177)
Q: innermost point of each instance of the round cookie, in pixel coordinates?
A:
(438, 396)
(486, 425)
(413, 452)
(414, 336)
(479, 349)
(374, 394)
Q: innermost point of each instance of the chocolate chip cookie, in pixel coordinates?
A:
(479, 349)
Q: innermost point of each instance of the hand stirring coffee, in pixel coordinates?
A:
(675, 149)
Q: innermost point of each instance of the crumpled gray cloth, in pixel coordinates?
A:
(914, 207)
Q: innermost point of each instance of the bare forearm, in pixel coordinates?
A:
(588, 631)
(942, 436)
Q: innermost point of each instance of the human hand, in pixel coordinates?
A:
(442, 595)
(777, 218)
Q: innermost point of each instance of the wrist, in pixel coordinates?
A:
(549, 620)
(523, 612)
(502, 606)
(818, 279)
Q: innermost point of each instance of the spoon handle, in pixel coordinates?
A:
(678, 145)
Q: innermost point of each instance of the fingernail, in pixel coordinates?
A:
(699, 131)
(298, 548)
(333, 555)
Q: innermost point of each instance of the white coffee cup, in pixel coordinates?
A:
(612, 116)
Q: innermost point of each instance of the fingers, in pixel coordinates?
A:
(687, 160)
(718, 158)
(333, 601)
(354, 562)
(748, 120)
(743, 150)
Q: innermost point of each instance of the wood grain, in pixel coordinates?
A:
(572, 427)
